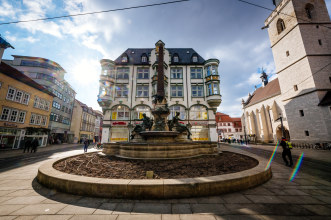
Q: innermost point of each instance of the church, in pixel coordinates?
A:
(296, 105)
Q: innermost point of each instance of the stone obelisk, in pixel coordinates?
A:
(161, 110)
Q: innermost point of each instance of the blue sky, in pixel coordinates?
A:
(228, 30)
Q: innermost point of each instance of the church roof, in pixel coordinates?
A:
(263, 93)
(326, 99)
(4, 43)
(135, 54)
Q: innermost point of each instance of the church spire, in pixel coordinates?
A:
(264, 78)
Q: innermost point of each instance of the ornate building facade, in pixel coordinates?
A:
(300, 35)
(128, 84)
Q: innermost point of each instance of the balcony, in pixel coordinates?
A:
(214, 100)
(107, 78)
(212, 78)
(104, 100)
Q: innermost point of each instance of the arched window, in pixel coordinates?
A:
(140, 110)
(175, 58)
(124, 58)
(177, 108)
(280, 26)
(309, 10)
(198, 112)
(120, 112)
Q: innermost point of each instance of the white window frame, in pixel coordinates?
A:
(12, 115)
(175, 90)
(195, 59)
(122, 73)
(144, 59)
(21, 118)
(2, 113)
(142, 73)
(195, 88)
(176, 73)
(18, 98)
(33, 119)
(141, 91)
(38, 120)
(36, 102)
(121, 89)
(26, 99)
(10, 96)
(195, 72)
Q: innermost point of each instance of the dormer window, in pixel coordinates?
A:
(176, 58)
(124, 58)
(194, 58)
(280, 26)
(144, 58)
(309, 10)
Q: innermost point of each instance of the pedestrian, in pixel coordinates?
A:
(286, 152)
(85, 145)
(27, 145)
(35, 144)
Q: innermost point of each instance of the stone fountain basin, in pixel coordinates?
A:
(154, 189)
(159, 133)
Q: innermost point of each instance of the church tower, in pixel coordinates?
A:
(300, 35)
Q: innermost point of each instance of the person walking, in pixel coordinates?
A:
(286, 152)
(27, 145)
(35, 144)
(85, 145)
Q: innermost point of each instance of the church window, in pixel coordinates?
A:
(309, 10)
(280, 26)
(287, 53)
(307, 133)
(295, 87)
(301, 113)
(320, 42)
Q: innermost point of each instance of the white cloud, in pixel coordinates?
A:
(85, 72)
(7, 10)
(30, 39)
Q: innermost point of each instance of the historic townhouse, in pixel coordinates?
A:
(128, 84)
(25, 107)
(228, 127)
(300, 35)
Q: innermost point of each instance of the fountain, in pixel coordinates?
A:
(160, 139)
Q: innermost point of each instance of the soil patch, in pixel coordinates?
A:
(96, 165)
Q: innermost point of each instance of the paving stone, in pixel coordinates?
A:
(181, 209)
(40, 209)
(26, 217)
(5, 192)
(197, 217)
(212, 199)
(189, 200)
(170, 217)
(289, 192)
(106, 209)
(7, 217)
(20, 192)
(300, 200)
(284, 217)
(143, 208)
(94, 217)
(209, 209)
(265, 199)
(248, 209)
(239, 217)
(91, 200)
(3, 199)
(123, 208)
(76, 210)
(53, 217)
(235, 198)
(7, 209)
(258, 191)
(25, 200)
(326, 199)
(318, 209)
(65, 198)
(317, 192)
(139, 217)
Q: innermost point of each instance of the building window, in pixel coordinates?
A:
(229, 130)
(309, 10)
(18, 96)
(211, 70)
(177, 91)
(56, 105)
(197, 91)
(320, 42)
(33, 119)
(11, 93)
(198, 112)
(124, 59)
(229, 124)
(280, 26)
(26, 98)
(43, 120)
(142, 91)
(5, 114)
(142, 73)
(196, 73)
(176, 58)
(144, 59)
(121, 91)
(122, 73)
(177, 108)
(307, 133)
(140, 110)
(295, 87)
(21, 117)
(213, 88)
(176, 73)
(287, 53)
(301, 113)
(120, 113)
(195, 59)
(13, 115)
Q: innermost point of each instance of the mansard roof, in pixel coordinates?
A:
(135, 54)
(263, 93)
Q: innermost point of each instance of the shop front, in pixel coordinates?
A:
(199, 130)
(119, 131)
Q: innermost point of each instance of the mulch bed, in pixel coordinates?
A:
(96, 165)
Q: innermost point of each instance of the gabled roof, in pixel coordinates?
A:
(221, 117)
(263, 93)
(15, 74)
(134, 56)
(4, 43)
